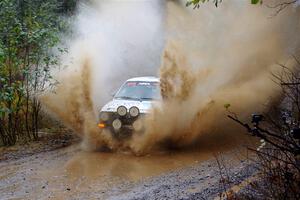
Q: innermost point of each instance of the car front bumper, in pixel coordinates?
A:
(127, 127)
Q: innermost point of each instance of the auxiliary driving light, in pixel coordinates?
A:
(122, 110)
(134, 111)
(117, 124)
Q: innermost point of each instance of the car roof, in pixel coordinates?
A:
(145, 78)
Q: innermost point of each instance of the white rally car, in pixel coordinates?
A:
(125, 112)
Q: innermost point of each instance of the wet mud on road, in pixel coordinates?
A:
(70, 173)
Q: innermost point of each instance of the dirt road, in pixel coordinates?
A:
(69, 173)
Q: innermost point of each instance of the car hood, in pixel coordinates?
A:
(144, 106)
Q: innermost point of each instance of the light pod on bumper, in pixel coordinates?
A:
(122, 111)
(134, 111)
(117, 124)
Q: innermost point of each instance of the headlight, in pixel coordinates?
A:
(117, 124)
(134, 111)
(122, 110)
(104, 116)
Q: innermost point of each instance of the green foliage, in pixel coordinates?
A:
(256, 1)
(30, 31)
(196, 3)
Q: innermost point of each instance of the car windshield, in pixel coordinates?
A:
(139, 91)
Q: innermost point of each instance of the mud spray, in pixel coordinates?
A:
(205, 59)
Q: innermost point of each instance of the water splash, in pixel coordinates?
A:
(211, 57)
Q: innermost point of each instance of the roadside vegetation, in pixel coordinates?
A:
(278, 130)
(278, 155)
(30, 33)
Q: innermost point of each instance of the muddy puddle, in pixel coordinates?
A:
(112, 168)
(125, 165)
(121, 165)
(74, 174)
(88, 173)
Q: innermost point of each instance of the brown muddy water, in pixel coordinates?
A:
(97, 165)
(126, 165)
(201, 67)
(71, 173)
(88, 172)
